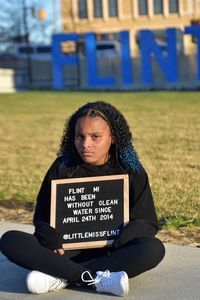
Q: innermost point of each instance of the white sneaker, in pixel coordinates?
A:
(39, 283)
(115, 283)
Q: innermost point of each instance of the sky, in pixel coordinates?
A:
(40, 31)
(53, 11)
(52, 8)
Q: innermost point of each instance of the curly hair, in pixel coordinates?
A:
(122, 150)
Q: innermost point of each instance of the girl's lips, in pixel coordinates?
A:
(86, 153)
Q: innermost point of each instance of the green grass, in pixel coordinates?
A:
(166, 129)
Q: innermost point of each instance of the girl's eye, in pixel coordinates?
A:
(79, 137)
(95, 137)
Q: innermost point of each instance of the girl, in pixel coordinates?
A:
(96, 142)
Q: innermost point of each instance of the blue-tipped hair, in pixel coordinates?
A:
(129, 159)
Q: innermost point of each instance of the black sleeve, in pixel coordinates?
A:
(47, 235)
(43, 202)
(143, 219)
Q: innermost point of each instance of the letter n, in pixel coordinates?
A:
(168, 62)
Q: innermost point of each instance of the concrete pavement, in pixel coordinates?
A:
(176, 278)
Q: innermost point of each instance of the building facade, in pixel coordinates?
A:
(106, 17)
(156, 61)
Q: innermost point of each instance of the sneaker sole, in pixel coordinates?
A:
(34, 289)
(125, 282)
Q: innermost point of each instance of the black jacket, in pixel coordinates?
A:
(143, 220)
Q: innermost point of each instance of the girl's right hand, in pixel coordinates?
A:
(59, 251)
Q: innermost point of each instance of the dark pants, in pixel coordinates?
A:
(134, 258)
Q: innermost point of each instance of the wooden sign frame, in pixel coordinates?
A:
(123, 182)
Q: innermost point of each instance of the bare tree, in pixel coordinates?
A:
(10, 22)
(19, 23)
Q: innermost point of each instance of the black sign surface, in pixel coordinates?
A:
(89, 212)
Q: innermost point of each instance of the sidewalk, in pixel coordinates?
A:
(176, 278)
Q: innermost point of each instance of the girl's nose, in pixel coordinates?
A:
(86, 143)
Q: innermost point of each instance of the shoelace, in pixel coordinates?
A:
(92, 280)
(55, 285)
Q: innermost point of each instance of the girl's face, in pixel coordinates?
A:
(93, 139)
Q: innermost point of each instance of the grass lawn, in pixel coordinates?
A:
(166, 130)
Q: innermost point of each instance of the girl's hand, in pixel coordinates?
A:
(59, 251)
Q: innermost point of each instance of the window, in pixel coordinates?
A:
(195, 22)
(97, 5)
(26, 50)
(113, 9)
(173, 6)
(82, 9)
(35, 52)
(44, 49)
(142, 7)
(158, 7)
